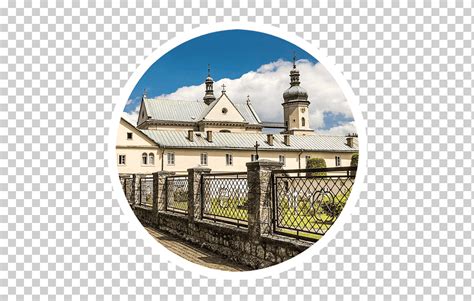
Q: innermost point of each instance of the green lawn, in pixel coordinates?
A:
(231, 208)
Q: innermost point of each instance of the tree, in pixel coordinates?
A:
(316, 163)
(354, 162)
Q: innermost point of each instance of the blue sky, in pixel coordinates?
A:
(231, 54)
(234, 55)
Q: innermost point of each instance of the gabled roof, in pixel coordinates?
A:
(190, 111)
(178, 139)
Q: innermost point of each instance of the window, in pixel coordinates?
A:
(338, 161)
(307, 159)
(151, 159)
(129, 135)
(121, 160)
(229, 159)
(303, 121)
(253, 157)
(204, 159)
(144, 158)
(282, 159)
(170, 157)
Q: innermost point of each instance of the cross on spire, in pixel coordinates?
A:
(294, 59)
(144, 93)
(208, 70)
(248, 98)
(223, 88)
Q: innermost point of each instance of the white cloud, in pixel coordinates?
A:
(341, 130)
(132, 117)
(266, 86)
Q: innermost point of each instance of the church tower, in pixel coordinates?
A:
(296, 106)
(209, 96)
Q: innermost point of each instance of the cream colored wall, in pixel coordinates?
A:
(138, 137)
(293, 114)
(133, 150)
(133, 162)
(188, 158)
(214, 128)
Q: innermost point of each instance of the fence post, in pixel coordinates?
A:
(135, 189)
(194, 191)
(259, 177)
(159, 190)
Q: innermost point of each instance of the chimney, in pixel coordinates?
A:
(350, 141)
(270, 139)
(191, 135)
(209, 136)
(286, 139)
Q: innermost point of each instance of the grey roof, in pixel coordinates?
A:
(178, 139)
(190, 111)
(174, 110)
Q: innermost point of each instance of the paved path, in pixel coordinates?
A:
(195, 254)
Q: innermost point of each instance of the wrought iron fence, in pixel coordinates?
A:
(127, 182)
(306, 202)
(177, 194)
(224, 198)
(146, 191)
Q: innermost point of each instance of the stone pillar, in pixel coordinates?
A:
(260, 197)
(135, 195)
(194, 192)
(159, 190)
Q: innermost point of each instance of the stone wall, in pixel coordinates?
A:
(254, 245)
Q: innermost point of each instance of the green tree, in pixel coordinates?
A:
(316, 163)
(354, 162)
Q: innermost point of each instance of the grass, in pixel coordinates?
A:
(180, 200)
(315, 220)
(229, 208)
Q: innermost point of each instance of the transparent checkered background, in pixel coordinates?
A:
(62, 68)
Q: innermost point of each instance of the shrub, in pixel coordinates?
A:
(316, 163)
(355, 159)
(354, 162)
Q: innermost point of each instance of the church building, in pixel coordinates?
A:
(223, 135)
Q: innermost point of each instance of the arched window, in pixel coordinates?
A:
(144, 158)
(151, 159)
(303, 121)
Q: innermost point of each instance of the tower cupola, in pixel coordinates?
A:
(209, 96)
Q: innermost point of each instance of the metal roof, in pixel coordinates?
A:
(190, 111)
(178, 139)
(174, 110)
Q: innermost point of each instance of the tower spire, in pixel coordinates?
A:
(294, 74)
(209, 82)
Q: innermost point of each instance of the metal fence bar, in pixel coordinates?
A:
(176, 189)
(306, 202)
(224, 198)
